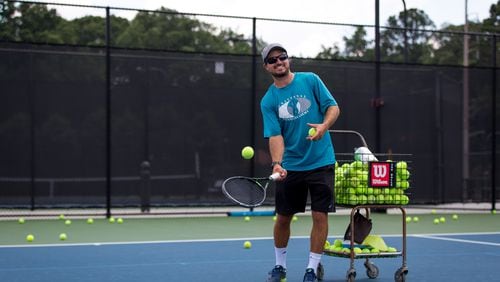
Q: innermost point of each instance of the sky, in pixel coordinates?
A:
(301, 40)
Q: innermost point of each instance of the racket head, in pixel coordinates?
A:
(245, 191)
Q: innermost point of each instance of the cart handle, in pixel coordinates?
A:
(350, 132)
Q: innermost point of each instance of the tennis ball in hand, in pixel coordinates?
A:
(63, 236)
(247, 152)
(247, 244)
(312, 131)
(30, 238)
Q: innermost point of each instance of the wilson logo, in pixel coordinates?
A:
(380, 171)
(382, 174)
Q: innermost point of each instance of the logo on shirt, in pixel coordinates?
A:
(294, 107)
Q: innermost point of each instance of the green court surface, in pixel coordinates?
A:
(135, 229)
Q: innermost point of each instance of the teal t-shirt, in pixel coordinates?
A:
(286, 111)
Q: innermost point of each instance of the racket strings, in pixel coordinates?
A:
(245, 191)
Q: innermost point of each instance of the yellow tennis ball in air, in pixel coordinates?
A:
(67, 222)
(111, 220)
(63, 236)
(30, 238)
(90, 220)
(247, 244)
(247, 152)
(247, 218)
(21, 220)
(119, 220)
(312, 131)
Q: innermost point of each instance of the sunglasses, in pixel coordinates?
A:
(273, 60)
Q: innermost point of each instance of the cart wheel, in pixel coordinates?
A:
(400, 275)
(351, 275)
(371, 270)
(320, 272)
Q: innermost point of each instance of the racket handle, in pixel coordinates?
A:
(274, 176)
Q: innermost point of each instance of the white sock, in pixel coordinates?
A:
(314, 260)
(280, 256)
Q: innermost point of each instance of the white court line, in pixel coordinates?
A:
(457, 240)
(429, 236)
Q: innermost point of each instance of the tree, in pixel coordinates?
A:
(329, 53)
(392, 40)
(30, 22)
(357, 45)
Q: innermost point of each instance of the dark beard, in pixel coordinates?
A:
(280, 75)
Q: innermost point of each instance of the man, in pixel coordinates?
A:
(293, 104)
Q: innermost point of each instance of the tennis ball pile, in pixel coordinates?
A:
(351, 185)
(247, 152)
(339, 247)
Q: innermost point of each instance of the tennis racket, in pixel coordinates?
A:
(247, 191)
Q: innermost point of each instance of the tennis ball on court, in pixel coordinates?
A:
(111, 220)
(493, 211)
(442, 219)
(67, 222)
(247, 218)
(61, 216)
(454, 217)
(433, 211)
(119, 220)
(63, 236)
(415, 219)
(408, 219)
(247, 244)
(21, 220)
(90, 220)
(436, 221)
(30, 238)
(295, 218)
(312, 131)
(247, 152)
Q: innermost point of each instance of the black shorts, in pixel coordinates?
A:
(292, 192)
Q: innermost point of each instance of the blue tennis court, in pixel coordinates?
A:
(463, 257)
